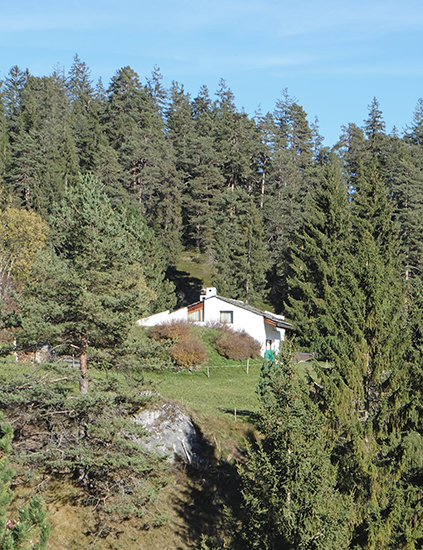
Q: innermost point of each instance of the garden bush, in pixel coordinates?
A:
(177, 329)
(189, 353)
(236, 345)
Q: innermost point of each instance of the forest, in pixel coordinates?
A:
(102, 192)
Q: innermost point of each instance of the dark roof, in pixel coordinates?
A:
(280, 323)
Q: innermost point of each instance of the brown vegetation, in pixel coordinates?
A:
(177, 329)
(189, 353)
(236, 345)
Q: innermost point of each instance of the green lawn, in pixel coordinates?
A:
(216, 391)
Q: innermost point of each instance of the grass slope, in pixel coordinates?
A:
(191, 500)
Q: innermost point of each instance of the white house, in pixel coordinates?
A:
(267, 328)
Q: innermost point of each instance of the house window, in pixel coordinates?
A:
(196, 316)
(226, 316)
(196, 312)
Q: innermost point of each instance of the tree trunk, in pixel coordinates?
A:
(83, 382)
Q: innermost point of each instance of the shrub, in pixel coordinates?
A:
(176, 329)
(189, 353)
(237, 345)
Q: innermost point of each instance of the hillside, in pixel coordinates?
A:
(178, 502)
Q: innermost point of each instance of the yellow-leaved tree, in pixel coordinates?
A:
(22, 234)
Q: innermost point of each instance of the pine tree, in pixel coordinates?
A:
(43, 151)
(197, 166)
(236, 141)
(241, 254)
(91, 289)
(135, 131)
(292, 172)
(84, 118)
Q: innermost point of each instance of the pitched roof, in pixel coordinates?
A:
(275, 319)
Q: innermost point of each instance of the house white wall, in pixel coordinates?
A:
(163, 317)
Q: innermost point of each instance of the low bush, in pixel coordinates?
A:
(180, 330)
(237, 345)
(189, 353)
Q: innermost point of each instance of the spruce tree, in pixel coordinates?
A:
(404, 181)
(290, 498)
(4, 138)
(317, 258)
(359, 327)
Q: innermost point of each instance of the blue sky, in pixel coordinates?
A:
(333, 56)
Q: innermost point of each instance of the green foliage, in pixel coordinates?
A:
(90, 440)
(141, 351)
(43, 155)
(317, 255)
(241, 250)
(289, 487)
(29, 530)
(89, 290)
(354, 306)
(135, 131)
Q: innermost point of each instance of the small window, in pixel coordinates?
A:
(226, 316)
(196, 316)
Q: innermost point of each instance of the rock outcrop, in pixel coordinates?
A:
(171, 432)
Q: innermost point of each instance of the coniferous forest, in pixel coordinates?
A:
(104, 188)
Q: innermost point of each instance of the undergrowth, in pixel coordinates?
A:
(86, 440)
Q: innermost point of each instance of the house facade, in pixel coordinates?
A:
(268, 328)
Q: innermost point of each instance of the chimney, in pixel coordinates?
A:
(207, 293)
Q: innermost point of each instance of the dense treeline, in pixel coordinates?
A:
(122, 180)
(203, 174)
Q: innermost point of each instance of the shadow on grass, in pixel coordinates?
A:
(250, 416)
(211, 499)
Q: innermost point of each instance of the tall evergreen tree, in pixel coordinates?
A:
(42, 148)
(135, 131)
(237, 143)
(290, 498)
(241, 254)
(359, 327)
(404, 181)
(85, 116)
(4, 137)
(92, 288)
(317, 256)
(197, 166)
